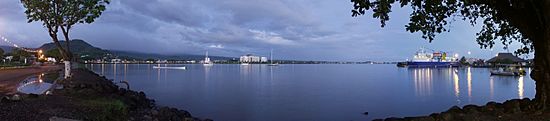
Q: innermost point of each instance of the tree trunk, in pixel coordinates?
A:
(541, 71)
(68, 69)
(65, 32)
(63, 52)
(67, 62)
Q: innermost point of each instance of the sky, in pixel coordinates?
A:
(294, 29)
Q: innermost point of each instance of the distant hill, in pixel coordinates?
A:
(143, 56)
(83, 48)
(79, 47)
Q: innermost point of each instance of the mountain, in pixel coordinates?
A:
(84, 49)
(143, 56)
(78, 47)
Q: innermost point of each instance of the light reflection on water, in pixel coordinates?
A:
(316, 92)
(34, 85)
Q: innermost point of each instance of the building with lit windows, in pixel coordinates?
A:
(249, 58)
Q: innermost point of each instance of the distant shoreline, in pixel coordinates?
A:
(254, 63)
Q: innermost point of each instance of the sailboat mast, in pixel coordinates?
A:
(271, 56)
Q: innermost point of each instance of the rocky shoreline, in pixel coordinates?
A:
(511, 110)
(88, 96)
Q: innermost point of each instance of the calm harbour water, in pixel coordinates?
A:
(231, 92)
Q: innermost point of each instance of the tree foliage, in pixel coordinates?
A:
(79, 11)
(431, 17)
(1, 53)
(53, 53)
(463, 61)
(63, 14)
(507, 21)
(19, 54)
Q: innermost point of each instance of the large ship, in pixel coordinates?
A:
(434, 59)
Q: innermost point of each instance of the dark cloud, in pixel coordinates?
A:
(295, 29)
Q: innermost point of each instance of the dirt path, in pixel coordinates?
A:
(9, 79)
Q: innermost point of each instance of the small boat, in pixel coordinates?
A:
(504, 73)
(271, 59)
(245, 64)
(508, 71)
(207, 61)
(170, 67)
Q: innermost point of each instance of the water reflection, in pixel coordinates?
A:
(423, 81)
(456, 86)
(114, 71)
(520, 87)
(236, 92)
(491, 88)
(207, 73)
(102, 69)
(469, 79)
(125, 70)
(34, 85)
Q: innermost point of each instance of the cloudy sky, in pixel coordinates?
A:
(294, 29)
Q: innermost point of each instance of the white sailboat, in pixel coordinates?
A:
(207, 61)
(271, 59)
(169, 67)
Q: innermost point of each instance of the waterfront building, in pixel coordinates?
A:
(249, 58)
(506, 58)
(116, 60)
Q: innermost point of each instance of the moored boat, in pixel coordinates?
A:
(207, 61)
(271, 59)
(508, 70)
(170, 67)
(435, 59)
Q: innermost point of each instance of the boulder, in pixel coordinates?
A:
(512, 106)
(455, 109)
(61, 119)
(472, 109)
(15, 97)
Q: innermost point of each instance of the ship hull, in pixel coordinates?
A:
(431, 64)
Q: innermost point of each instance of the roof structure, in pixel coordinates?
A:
(506, 58)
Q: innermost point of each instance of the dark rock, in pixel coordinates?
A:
(189, 119)
(446, 116)
(4, 99)
(366, 113)
(82, 86)
(512, 106)
(525, 104)
(490, 106)
(32, 96)
(154, 112)
(471, 109)
(393, 119)
(422, 118)
(147, 117)
(434, 114)
(455, 109)
(15, 97)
